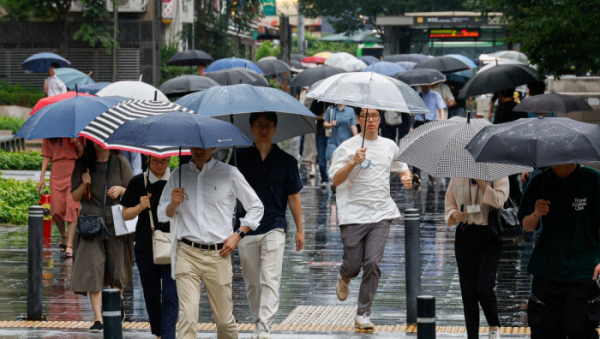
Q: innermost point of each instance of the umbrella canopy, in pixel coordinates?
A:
(132, 90)
(175, 129)
(360, 36)
(443, 64)
(408, 65)
(66, 118)
(406, 57)
(272, 67)
(236, 103)
(229, 63)
(499, 62)
(190, 58)
(461, 76)
(386, 68)
(369, 90)
(40, 62)
(537, 142)
(345, 61)
(507, 55)
(499, 78)
(234, 76)
(324, 54)
(267, 58)
(93, 88)
(439, 149)
(552, 103)
(186, 84)
(297, 57)
(368, 60)
(463, 58)
(310, 62)
(71, 77)
(310, 76)
(55, 98)
(420, 76)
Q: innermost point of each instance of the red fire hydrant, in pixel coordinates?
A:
(45, 203)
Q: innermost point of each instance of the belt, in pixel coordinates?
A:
(214, 247)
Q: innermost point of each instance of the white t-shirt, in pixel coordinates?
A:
(446, 93)
(55, 85)
(365, 197)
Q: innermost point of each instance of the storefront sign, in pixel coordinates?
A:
(454, 33)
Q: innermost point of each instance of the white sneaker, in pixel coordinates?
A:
(363, 323)
(255, 332)
(342, 290)
(264, 334)
(312, 173)
(494, 335)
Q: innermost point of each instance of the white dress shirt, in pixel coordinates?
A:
(210, 198)
(55, 85)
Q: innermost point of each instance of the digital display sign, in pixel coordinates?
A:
(454, 33)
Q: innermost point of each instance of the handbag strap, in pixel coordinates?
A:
(106, 188)
(146, 174)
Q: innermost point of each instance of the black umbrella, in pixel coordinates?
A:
(420, 76)
(405, 57)
(444, 64)
(552, 103)
(272, 67)
(499, 78)
(297, 57)
(190, 58)
(310, 76)
(296, 64)
(234, 76)
(186, 84)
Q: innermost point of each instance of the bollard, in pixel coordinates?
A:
(425, 317)
(35, 263)
(412, 247)
(111, 313)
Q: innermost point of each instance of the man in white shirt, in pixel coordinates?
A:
(446, 93)
(203, 238)
(53, 85)
(365, 208)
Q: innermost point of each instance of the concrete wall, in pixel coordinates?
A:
(587, 88)
(15, 111)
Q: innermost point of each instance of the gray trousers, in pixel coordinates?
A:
(363, 247)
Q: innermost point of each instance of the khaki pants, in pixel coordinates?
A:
(194, 267)
(262, 258)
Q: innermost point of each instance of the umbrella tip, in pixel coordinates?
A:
(155, 95)
(468, 117)
(76, 90)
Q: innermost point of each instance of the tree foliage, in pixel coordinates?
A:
(560, 36)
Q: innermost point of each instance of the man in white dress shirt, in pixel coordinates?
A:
(53, 85)
(203, 238)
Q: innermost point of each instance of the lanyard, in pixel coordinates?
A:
(476, 195)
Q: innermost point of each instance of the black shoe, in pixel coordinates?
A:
(97, 327)
(333, 188)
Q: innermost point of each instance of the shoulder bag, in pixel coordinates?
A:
(93, 226)
(504, 224)
(330, 129)
(393, 118)
(161, 241)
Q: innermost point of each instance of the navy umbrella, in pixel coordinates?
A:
(444, 64)
(93, 88)
(367, 59)
(40, 62)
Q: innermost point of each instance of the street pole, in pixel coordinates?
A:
(300, 33)
(111, 313)
(425, 317)
(115, 29)
(35, 263)
(412, 247)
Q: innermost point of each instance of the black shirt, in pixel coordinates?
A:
(504, 113)
(131, 198)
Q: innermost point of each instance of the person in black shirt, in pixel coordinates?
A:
(141, 199)
(504, 112)
(318, 108)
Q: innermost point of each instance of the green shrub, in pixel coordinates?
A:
(15, 199)
(22, 160)
(174, 163)
(10, 123)
(18, 95)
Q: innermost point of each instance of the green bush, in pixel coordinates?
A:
(22, 160)
(10, 123)
(265, 50)
(18, 95)
(174, 163)
(15, 199)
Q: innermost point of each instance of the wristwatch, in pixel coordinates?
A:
(240, 233)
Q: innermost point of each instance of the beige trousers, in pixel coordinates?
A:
(262, 259)
(194, 267)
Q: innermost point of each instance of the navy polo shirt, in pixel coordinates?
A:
(273, 180)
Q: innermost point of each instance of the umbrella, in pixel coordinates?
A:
(464, 59)
(500, 62)
(310, 76)
(93, 88)
(190, 58)
(552, 103)
(537, 142)
(267, 58)
(55, 98)
(420, 76)
(406, 57)
(360, 36)
(386, 68)
(66, 118)
(324, 54)
(439, 148)
(368, 59)
(345, 61)
(460, 76)
(235, 103)
(444, 64)
(296, 65)
(297, 57)
(272, 67)
(228, 63)
(234, 76)
(510, 55)
(499, 78)
(40, 62)
(186, 84)
(132, 90)
(310, 62)
(408, 65)
(71, 77)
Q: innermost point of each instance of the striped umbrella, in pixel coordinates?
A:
(104, 125)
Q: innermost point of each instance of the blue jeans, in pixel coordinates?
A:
(322, 158)
(162, 314)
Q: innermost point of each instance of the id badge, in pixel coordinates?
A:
(473, 209)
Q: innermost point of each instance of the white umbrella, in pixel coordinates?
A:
(267, 58)
(498, 63)
(134, 90)
(345, 61)
(508, 55)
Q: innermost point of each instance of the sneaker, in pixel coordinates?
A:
(342, 289)
(362, 322)
(494, 335)
(324, 184)
(312, 173)
(255, 332)
(97, 327)
(264, 334)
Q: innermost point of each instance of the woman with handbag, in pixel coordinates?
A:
(342, 122)
(100, 257)
(477, 251)
(141, 200)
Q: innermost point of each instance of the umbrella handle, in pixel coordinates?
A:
(365, 164)
(87, 193)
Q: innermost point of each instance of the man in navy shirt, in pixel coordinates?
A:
(273, 174)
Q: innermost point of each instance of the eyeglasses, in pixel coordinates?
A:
(159, 162)
(374, 116)
(261, 126)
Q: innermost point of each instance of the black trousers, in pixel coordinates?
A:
(560, 310)
(477, 258)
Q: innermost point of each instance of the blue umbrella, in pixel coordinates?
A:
(460, 76)
(93, 88)
(232, 63)
(463, 59)
(40, 62)
(386, 68)
(235, 104)
(66, 118)
(408, 65)
(72, 77)
(367, 59)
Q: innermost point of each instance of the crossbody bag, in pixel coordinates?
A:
(93, 226)
(161, 241)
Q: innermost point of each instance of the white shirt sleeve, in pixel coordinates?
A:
(338, 160)
(165, 198)
(397, 166)
(251, 202)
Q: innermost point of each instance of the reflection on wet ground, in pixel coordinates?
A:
(308, 276)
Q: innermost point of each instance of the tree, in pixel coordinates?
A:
(265, 50)
(558, 36)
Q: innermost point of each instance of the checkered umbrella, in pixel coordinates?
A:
(439, 149)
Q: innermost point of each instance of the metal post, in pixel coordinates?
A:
(426, 317)
(111, 313)
(300, 34)
(115, 29)
(35, 263)
(412, 248)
